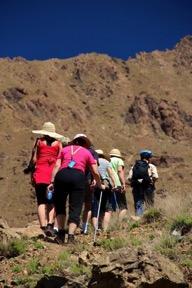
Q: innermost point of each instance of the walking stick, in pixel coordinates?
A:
(97, 224)
(116, 204)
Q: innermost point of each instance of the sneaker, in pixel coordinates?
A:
(60, 238)
(49, 232)
(84, 232)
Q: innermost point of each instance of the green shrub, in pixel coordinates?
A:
(20, 280)
(17, 268)
(187, 263)
(50, 269)
(133, 225)
(152, 215)
(33, 266)
(64, 260)
(167, 247)
(64, 256)
(79, 269)
(38, 245)
(135, 241)
(13, 248)
(182, 221)
(113, 244)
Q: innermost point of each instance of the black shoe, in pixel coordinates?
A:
(49, 232)
(60, 238)
(71, 239)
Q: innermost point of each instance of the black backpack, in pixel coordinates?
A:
(141, 174)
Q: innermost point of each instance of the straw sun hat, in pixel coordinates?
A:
(115, 152)
(49, 130)
(100, 152)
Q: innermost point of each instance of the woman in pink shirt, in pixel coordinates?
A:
(69, 179)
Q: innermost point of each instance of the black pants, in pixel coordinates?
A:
(143, 195)
(41, 191)
(69, 181)
(106, 204)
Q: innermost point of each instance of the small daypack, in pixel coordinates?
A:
(141, 174)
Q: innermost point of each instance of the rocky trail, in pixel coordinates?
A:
(131, 256)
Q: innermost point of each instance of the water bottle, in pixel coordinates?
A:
(49, 194)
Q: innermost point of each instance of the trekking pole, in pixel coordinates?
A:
(97, 224)
(116, 204)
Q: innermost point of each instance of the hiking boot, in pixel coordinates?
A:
(60, 238)
(71, 239)
(49, 231)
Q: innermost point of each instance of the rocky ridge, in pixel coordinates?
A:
(142, 102)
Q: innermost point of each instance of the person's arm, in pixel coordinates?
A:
(34, 151)
(96, 176)
(121, 174)
(154, 173)
(54, 172)
(111, 175)
(130, 176)
(60, 148)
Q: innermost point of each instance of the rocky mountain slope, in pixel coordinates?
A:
(142, 102)
(133, 255)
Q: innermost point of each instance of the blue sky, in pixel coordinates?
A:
(42, 29)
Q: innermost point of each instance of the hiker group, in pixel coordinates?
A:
(72, 179)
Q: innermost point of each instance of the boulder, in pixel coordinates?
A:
(136, 268)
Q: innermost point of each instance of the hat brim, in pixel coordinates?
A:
(116, 155)
(88, 142)
(107, 157)
(47, 133)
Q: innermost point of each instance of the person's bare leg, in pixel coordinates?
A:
(72, 228)
(42, 215)
(50, 213)
(86, 218)
(95, 222)
(61, 221)
(106, 220)
(122, 214)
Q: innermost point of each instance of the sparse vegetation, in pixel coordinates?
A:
(33, 266)
(187, 263)
(79, 269)
(49, 269)
(13, 248)
(182, 222)
(17, 268)
(167, 247)
(135, 241)
(113, 244)
(133, 225)
(38, 245)
(152, 215)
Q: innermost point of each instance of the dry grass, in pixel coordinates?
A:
(175, 204)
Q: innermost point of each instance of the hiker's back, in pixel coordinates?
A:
(140, 174)
(115, 165)
(103, 166)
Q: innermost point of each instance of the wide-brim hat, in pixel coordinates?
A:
(49, 130)
(100, 152)
(116, 152)
(64, 140)
(88, 142)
